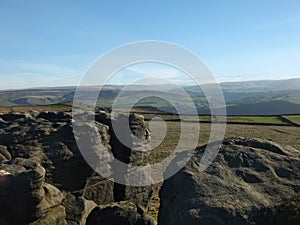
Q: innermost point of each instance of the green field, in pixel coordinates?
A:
(293, 118)
(273, 120)
(255, 119)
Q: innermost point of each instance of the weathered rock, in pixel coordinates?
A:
(288, 212)
(55, 116)
(127, 147)
(131, 148)
(55, 216)
(125, 213)
(100, 190)
(245, 184)
(4, 154)
(48, 139)
(140, 195)
(12, 116)
(77, 209)
(24, 197)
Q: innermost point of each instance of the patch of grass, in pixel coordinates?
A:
(255, 119)
(293, 118)
(39, 108)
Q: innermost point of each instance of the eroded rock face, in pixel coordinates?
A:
(98, 189)
(47, 141)
(135, 151)
(24, 197)
(77, 209)
(249, 180)
(125, 213)
(288, 212)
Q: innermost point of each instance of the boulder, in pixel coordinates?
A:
(55, 116)
(125, 213)
(100, 190)
(288, 212)
(55, 216)
(77, 209)
(24, 197)
(13, 116)
(246, 184)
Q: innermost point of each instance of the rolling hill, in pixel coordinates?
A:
(269, 97)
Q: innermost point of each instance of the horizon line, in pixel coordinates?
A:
(74, 86)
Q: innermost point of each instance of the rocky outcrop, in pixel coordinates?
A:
(125, 213)
(46, 142)
(133, 150)
(247, 183)
(136, 147)
(24, 197)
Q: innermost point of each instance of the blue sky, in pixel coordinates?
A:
(52, 43)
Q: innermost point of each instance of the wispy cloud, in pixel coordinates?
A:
(155, 70)
(21, 74)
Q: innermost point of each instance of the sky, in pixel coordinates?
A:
(52, 43)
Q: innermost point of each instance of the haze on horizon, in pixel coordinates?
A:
(52, 43)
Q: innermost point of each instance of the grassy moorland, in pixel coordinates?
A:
(40, 108)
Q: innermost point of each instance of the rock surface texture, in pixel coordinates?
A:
(40, 160)
(24, 197)
(250, 182)
(125, 213)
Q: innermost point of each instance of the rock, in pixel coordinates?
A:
(53, 197)
(12, 116)
(134, 146)
(4, 154)
(47, 138)
(288, 212)
(245, 184)
(125, 213)
(55, 216)
(55, 116)
(24, 197)
(78, 209)
(140, 195)
(134, 151)
(100, 190)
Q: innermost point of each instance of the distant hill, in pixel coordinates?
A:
(266, 97)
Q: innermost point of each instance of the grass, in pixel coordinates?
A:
(233, 119)
(40, 108)
(255, 119)
(293, 118)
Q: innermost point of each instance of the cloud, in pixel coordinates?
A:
(155, 70)
(21, 74)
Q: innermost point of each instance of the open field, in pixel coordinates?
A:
(55, 107)
(293, 118)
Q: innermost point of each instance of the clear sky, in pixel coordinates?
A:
(51, 43)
